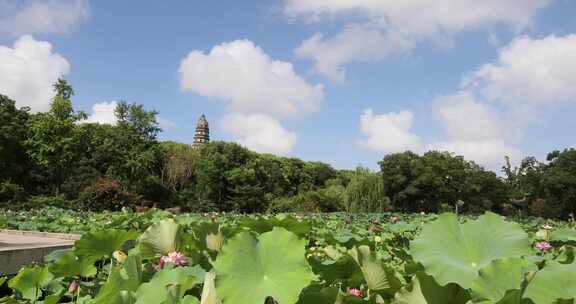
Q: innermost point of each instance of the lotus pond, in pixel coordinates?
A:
(158, 257)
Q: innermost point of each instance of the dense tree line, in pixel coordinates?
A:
(56, 158)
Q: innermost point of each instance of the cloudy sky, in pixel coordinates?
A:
(341, 81)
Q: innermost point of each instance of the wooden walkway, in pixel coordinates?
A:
(19, 248)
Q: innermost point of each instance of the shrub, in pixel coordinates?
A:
(546, 209)
(11, 193)
(42, 201)
(297, 203)
(106, 195)
(309, 201)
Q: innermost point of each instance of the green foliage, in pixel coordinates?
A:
(107, 167)
(158, 289)
(106, 195)
(159, 239)
(555, 282)
(122, 283)
(423, 183)
(365, 192)
(454, 253)
(14, 162)
(68, 264)
(94, 246)
(12, 194)
(250, 270)
(30, 280)
(549, 188)
(425, 290)
(313, 259)
(503, 279)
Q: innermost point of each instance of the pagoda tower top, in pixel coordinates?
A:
(202, 133)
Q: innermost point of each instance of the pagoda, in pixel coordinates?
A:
(202, 133)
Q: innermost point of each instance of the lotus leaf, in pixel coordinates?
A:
(122, 283)
(454, 252)
(161, 238)
(555, 282)
(378, 276)
(156, 290)
(503, 279)
(425, 290)
(96, 245)
(30, 280)
(249, 269)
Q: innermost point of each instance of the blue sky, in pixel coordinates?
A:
(339, 81)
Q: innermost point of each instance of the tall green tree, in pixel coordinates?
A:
(53, 143)
(424, 183)
(559, 183)
(14, 162)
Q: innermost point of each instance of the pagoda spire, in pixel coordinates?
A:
(202, 133)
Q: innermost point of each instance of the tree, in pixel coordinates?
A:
(559, 183)
(14, 162)
(53, 143)
(365, 192)
(423, 183)
(214, 182)
(135, 139)
(178, 162)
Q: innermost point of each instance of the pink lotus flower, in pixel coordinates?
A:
(355, 292)
(543, 246)
(73, 286)
(176, 258)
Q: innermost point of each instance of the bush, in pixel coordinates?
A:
(106, 195)
(154, 191)
(546, 209)
(309, 201)
(42, 201)
(297, 203)
(11, 193)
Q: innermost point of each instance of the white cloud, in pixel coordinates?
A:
(41, 16)
(464, 118)
(485, 119)
(396, 26)
(28, 70)
(488, 153)
(529, 72)
(356, 43)
(103, 113)
(425, 17)
(248, 80)
(259, 132)
(389, 132)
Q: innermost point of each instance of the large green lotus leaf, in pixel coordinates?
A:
(453, 252)
(248, 270)
(161, 238)
(30, 280)
(156, 290)
(316, 294)
(563, 235)
(378, 276)
(344, 270)
(554, 282)
(69, 265)
(425, 290)
(502, 280)
(263, 224)
(122, 283)
(93, 246)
